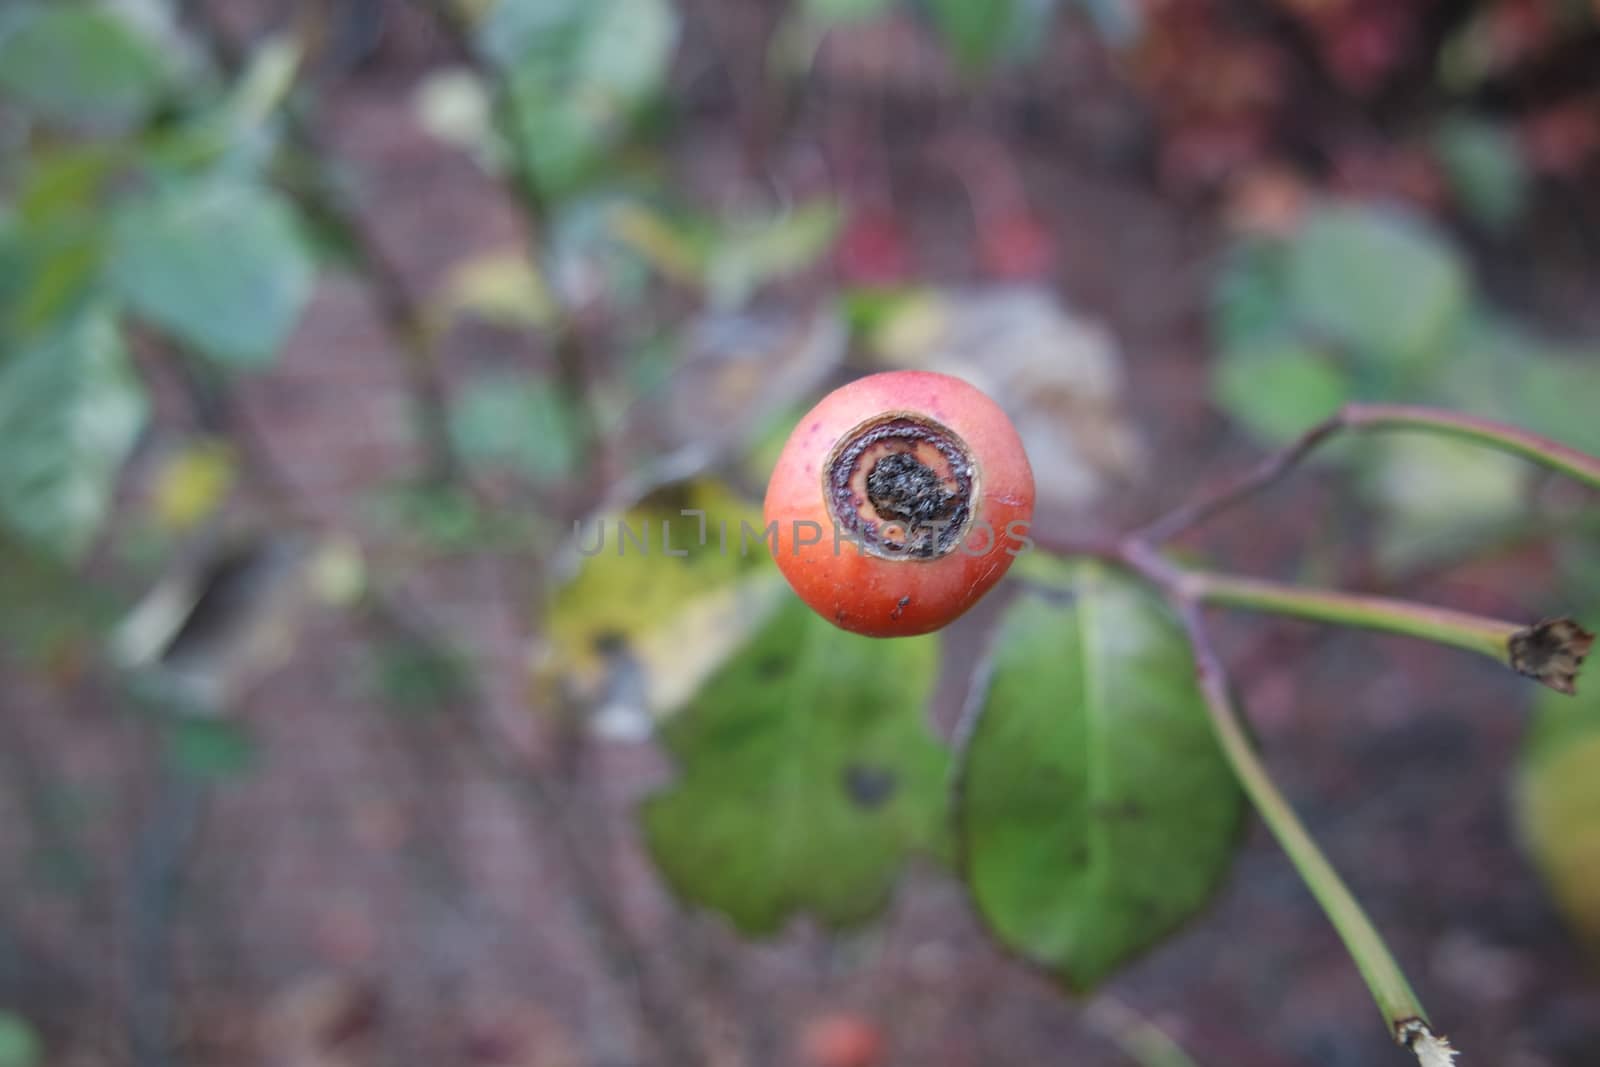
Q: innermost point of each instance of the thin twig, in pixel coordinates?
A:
(1274, 467)
(606, 931)
(1139, 1038)
(571, 351)
(606, 928)
(1279, 646)
(1487, 432)
(160, 851)
(399, 309)
(1549, 652)
(1366, 946)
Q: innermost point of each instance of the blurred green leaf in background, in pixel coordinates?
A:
(19, 1043)
(221, 265)
(1557, 803)
(1378, 282)
(71, 409)
(1373, 303)
(1485, 169)
(577, 71)
(79, 63)
(516, 422)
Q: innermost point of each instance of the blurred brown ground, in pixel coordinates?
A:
(370, 894)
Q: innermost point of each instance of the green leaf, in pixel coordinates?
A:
(52, 243)
(70, 411)
(747, 255)
(1378, 280)
(1277, 391)
(1097, 812)
(79, 63)
(659, 602)
(221, 266)
(49, 608)
(66, 182)
(1557, 802)
(578, 70)
(627, 48)
(617, 47)
(1439, 496)
(49, 271)
(837, 12)
(1554, 393)
(1250, 305)
(209, 748)
(518, 32)
(413, 679)
(977, 33)
(1118, 21)
(19, 1042)
(807, 776)
(517, 422)
(1484, 166)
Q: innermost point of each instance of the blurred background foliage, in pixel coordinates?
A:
(334, 338)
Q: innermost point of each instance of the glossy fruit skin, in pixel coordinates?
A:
(898, 597)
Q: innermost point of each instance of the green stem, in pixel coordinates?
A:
(1550, 652)
(1377, 965)
(1487, 432)
(1140, 1040)
(1490, 637)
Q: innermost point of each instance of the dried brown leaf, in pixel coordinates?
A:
(1551, 653)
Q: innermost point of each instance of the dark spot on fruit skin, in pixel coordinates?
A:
(815, 426)
(900, 608)
(869, 787)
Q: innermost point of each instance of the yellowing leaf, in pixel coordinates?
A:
(338, 571)
(502, 287)
(636, 605)
(267, 81)
(657, 242)
(192, 485)
(719, 621)
(1558, 805)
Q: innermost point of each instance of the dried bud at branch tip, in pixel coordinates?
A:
(1551, 652)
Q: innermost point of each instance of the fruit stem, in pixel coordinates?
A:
(1377, 965)
(1401, 1010)
(1550, 652)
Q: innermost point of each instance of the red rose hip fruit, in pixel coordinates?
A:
(899, 501)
